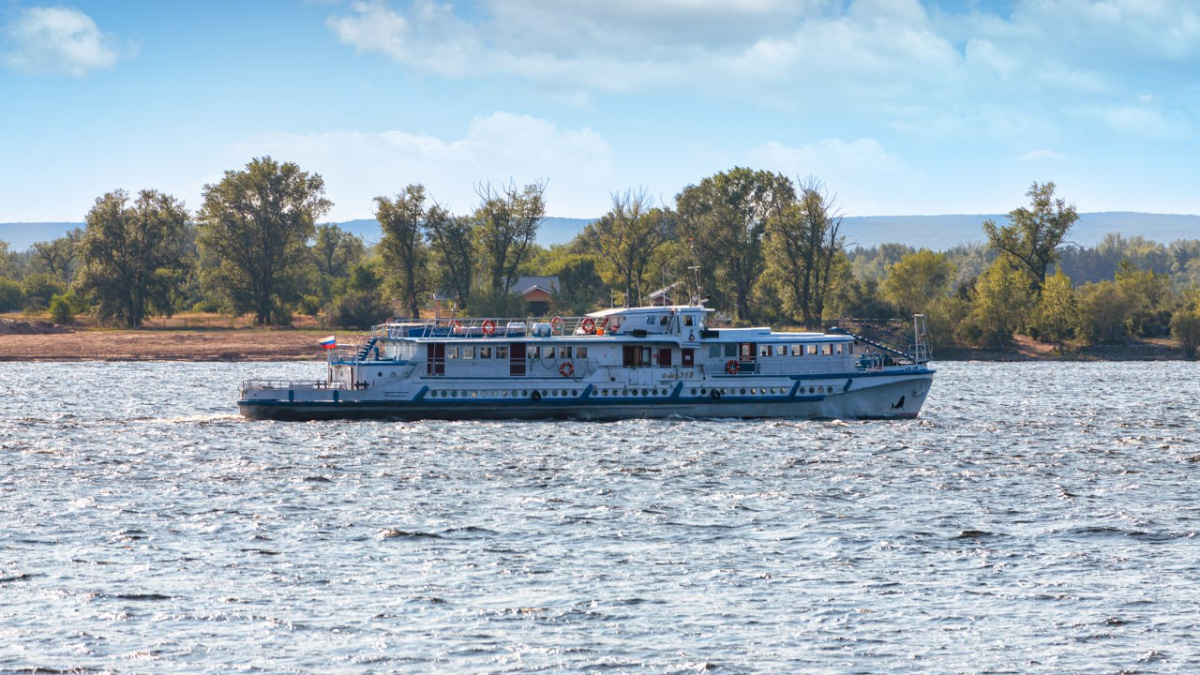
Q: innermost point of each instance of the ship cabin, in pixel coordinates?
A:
(635, 346)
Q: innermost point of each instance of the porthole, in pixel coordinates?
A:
(743, 392)
(703, 392)
(829, 390)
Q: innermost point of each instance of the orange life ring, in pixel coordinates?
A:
(567, 369)
(588, 325)
(732, 367)
(489, 327)
(556, 324)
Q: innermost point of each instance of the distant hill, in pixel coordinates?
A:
(942, 232)
(551, 231)
(21, 236)
(933, 232)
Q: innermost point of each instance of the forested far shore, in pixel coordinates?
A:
(762, 248)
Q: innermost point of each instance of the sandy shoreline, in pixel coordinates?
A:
(170, 345)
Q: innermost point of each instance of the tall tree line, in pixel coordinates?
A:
(759, 245)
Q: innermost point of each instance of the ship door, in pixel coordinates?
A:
(435, 359)
(516, 359)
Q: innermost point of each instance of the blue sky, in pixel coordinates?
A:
(901, 107)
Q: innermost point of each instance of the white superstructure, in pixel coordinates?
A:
(612, 364)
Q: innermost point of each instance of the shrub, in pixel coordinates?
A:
(12, 297)
(207, 306)
(310, 305)
(61, 310)
(1185, 328)
(359, 310)
(38, 289)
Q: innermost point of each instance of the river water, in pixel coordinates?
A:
(1037, 518)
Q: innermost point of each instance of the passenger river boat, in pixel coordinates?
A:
(639, 362)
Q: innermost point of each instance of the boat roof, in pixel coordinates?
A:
(653, 309)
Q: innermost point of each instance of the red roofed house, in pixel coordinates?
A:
(537, 293)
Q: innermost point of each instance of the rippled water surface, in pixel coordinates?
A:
(1037, 518)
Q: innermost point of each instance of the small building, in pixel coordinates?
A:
(536, 292)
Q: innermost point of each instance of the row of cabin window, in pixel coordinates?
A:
(466, 352)
(636, 355)
(689, 321)
(745, 351)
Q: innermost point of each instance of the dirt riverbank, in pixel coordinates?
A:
(170, 345)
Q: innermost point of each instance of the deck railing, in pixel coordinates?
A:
(275, 385)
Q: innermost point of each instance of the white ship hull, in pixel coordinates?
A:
(674, 367)
(893, 396)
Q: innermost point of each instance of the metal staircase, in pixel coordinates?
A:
(888, 337)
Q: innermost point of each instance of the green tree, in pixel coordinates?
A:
(361, 306)
(1103, 313)
(255, 226)
(335, 251)
(1057, 311)
(802, 244)
(1000, 304)
(916, 280)
(12, 297)
(725, 217)
(132, 255)
(1034, 234)
(1149, 298)
(451, 240)
(58, 258)
(403, 245)
(1185, 329)
(627, 238)
(581, 288)
(9, 265)
(507, 222)
(38, 288)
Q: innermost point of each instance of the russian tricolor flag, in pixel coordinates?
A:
(329, 342)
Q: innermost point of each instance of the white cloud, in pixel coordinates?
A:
(1141, 122)
(1037, 155)
(58, 40)
(430, 37)
(967, 73)
(859, 172)
(357, 167)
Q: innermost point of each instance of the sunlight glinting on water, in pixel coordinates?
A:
(1036, 518)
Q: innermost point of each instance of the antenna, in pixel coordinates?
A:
(694, 274)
